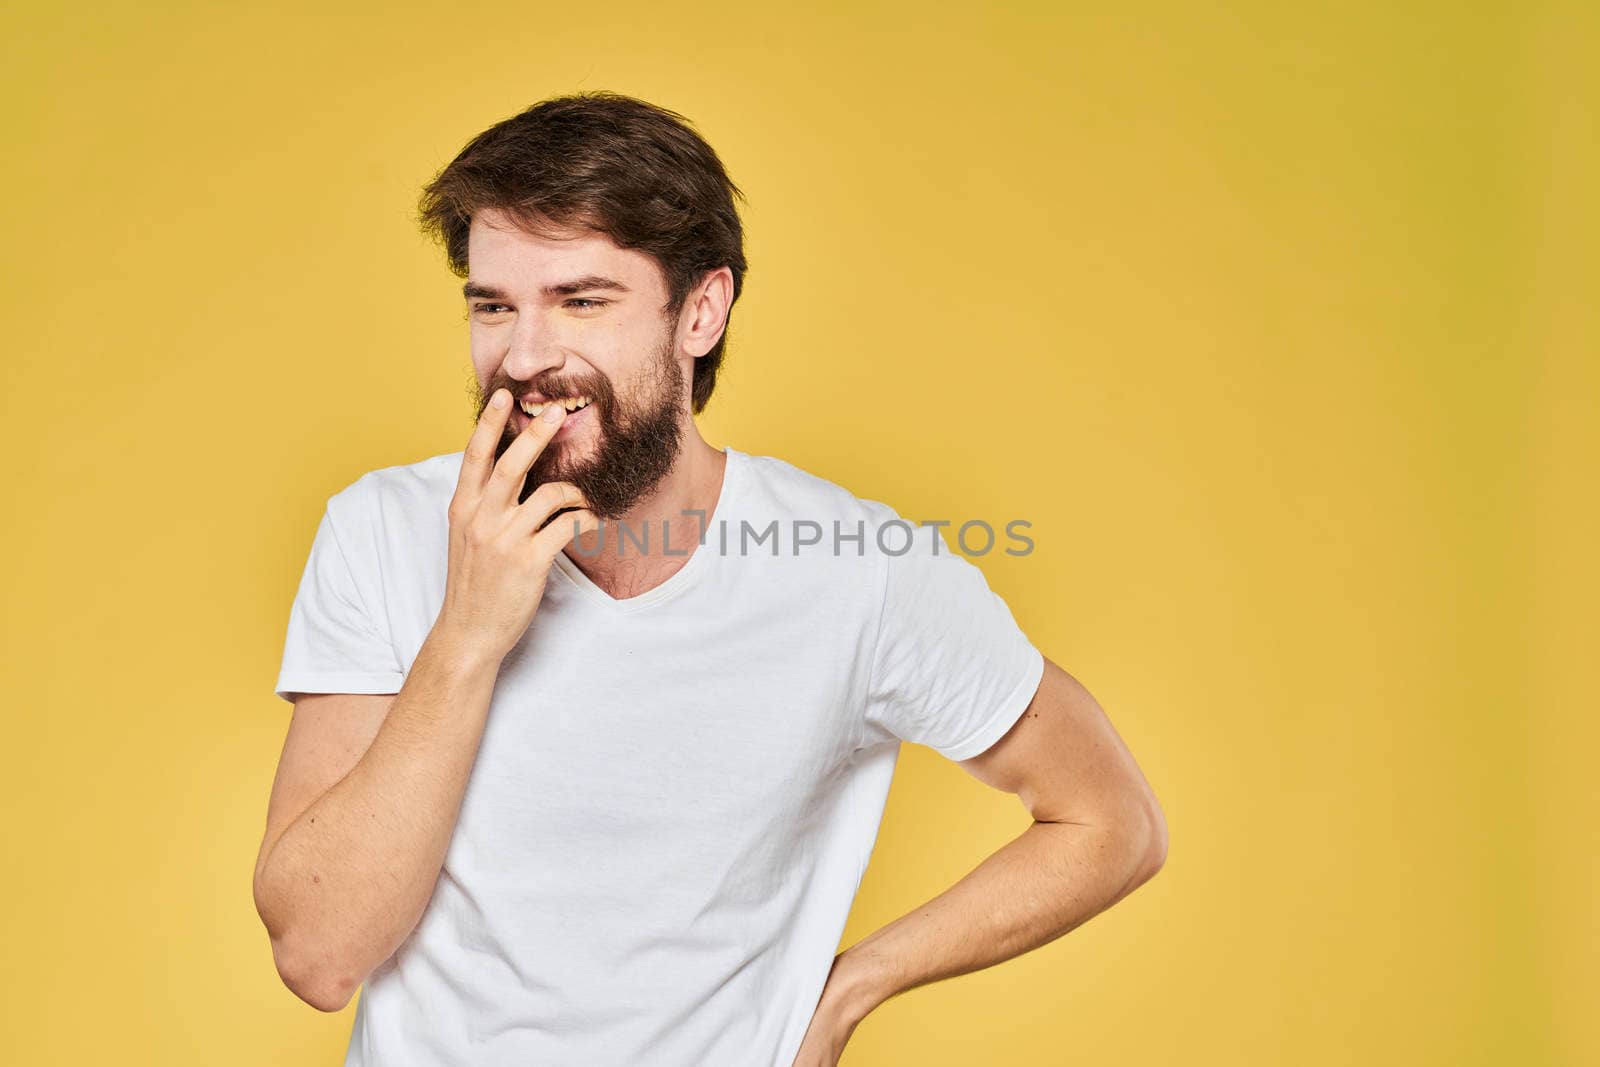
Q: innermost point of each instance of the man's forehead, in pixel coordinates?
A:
(495, 242)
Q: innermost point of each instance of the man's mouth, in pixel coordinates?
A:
(577, 412)
(571, 403)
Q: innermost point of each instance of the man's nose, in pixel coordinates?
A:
(534, 349)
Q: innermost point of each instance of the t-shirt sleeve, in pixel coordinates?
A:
(335, 643)
(951, 669)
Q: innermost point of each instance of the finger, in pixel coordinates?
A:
(545, 501)
(479, 457)
(505, 483)
(563, 529)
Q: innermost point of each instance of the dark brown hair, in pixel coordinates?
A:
(612, 164)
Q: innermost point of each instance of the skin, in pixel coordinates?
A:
(369, 787)
(523, 336)
(1097, 835)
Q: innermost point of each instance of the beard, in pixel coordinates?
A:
(639, 436)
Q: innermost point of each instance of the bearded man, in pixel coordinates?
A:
(573, 775)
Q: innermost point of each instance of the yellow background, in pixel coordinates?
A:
(1283, 315)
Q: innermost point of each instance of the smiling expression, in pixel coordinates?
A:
(571, 318)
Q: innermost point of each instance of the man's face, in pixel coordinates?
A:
(548, 324)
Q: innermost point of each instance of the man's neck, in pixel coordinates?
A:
(630, 556)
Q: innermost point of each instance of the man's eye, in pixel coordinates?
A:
(582, 303)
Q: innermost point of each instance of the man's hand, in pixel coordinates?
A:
(499, 557)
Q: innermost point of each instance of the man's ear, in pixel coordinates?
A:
(707, 311)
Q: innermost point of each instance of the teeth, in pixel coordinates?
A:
(571, 403)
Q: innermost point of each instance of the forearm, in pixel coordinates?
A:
(1052, 878)
(348, 880)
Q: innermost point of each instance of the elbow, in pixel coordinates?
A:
(1137, 832)
(1149, 840)
(307, 972)
(329, 995)
(304, 970)
(1155, 856)
(324, 987)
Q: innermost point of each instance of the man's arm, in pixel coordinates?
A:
(345, 870)
(1098, 834)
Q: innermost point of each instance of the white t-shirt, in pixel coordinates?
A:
(677, 793)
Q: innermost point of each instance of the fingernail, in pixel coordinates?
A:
(553, 413)
(500, 399)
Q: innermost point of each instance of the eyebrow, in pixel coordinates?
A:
(585, 284)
